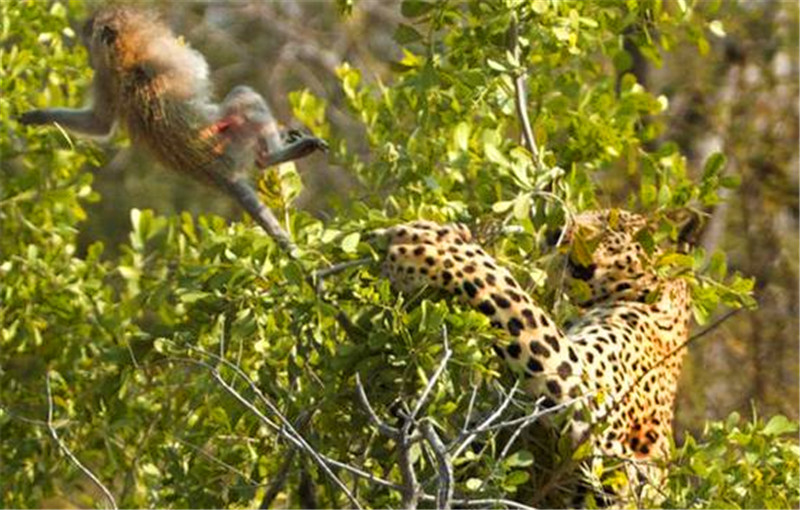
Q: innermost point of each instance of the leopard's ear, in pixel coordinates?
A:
(690, 224)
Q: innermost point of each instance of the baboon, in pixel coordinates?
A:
(158, 88)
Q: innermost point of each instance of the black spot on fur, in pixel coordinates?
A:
(447, 277)
(564, 370)
(515, 326)
(552, 342)
(530, 318)
(539, 349)
(487, 307)
(501, 301)
(478, 283)
(572, 356)
(419, 250)
(514, 350)
(470, 289)
(469, 269)
(430, 261)
(535, 366)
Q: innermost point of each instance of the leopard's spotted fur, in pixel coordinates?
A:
(626, 346)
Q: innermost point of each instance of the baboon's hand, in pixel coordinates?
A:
(296, 145)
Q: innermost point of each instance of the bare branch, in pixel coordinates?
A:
(488, 503)
(286, 428)
(384, 428)
(470, 407)
(467, 437)
(318, 277)
(336, 268)
(521, 100)
(435, 377)
(444, 496)
(66, 451)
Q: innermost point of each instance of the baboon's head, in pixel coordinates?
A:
(117, 36)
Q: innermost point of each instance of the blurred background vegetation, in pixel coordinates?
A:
(729, 79)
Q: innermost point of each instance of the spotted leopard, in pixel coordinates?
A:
(627, 345)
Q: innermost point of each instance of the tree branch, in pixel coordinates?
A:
(521, 99)
(444, 496)
(66, 451)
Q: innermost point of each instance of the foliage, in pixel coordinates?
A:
(132, 342)
(738, 465)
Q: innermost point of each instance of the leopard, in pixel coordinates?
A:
(616, 365)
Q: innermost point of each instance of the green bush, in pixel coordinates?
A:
(737, 464)
(168, 369)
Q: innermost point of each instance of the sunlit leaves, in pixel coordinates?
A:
(735, 454)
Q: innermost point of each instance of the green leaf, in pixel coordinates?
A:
(415, 8)
(473, 484)
(461, 136)
(779, 425)
(517, 478)
(406, 34)
(520, 458)
(714, 165)
(350, 242)
(581, 252)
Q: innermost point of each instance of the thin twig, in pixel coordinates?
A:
(489, 503)
(217, 460)
(317, 278)
(286, 429)
(467, 437)
(539, 413)
(521, 100)
(66, 451)
(384, 428)
(337, 268)
(470, 407)
(444, 495)
(435, 377)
